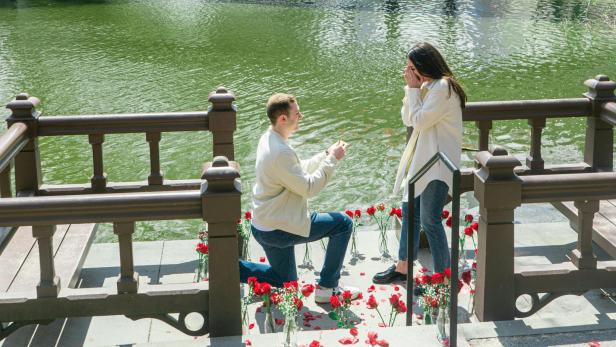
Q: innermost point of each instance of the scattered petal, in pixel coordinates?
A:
(396, 288)
(315, 343)
(278, 321)
(594, 343)
(362, 274)
(316, 327)
(354, 331)
(247, 342)
(382, 343)
(382, 325)
(348, 340)
(251, 325)
(371, 289)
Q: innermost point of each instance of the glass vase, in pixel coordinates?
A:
(201, 270)
(383, 244)
(307, 262)
(354, 251)
(289, 332)
(428, 317)
(268, 323)
(442, 325)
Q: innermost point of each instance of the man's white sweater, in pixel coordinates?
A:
(283, 185)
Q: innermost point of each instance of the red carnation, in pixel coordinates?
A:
(357, 213)
(263, 288)
(247, 215)
(393, 299)
(392, 211)
(275, 298)
(444, 214)
(202, 248)
(349, 213)
(298, 303)
(372, 302)
(354, 331)
(371, 210)
(447, 272)
(466, 277)
(334, 301)
(399, 212)
(401, 308)
(468, 218)
(448, 222)
(347, 295)
(468, 231)
(307, 289)
(437, 278)
(475, 226)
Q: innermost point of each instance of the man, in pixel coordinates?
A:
(281, 219)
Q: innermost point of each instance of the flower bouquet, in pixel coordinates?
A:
(396, 306)
(381, 218)
(264, 291)
(243, 233)
(202, 250)
(341, 313)
(289, 301)
(356, 217)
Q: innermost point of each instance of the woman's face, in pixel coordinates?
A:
(411, 66)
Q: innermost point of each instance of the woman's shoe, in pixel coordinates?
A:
(388, 276)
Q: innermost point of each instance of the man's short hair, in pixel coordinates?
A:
(278, 104)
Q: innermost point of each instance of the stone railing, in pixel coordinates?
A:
(215, 198)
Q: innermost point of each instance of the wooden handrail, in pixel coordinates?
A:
(608, 112)
(101, 208)
(568, 187)
(122, 123)
(526, 109)
(11, 142)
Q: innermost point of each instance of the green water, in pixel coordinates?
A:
(342, 59)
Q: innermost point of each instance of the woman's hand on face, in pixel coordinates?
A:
(411, 78)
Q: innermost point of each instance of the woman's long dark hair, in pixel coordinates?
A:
(430, 63)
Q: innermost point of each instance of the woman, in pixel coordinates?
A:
(432, 105)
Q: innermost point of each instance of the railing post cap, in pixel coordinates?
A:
(24, 106)
(496, 165)
(221, 96)
(600, 87)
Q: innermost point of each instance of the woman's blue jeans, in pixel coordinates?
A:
(428, 208)
(279, 247)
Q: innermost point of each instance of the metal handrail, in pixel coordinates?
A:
(455, 219)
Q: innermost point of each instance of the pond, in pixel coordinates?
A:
(342, 59)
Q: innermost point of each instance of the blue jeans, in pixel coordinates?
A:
(279, 247)
(428, 207)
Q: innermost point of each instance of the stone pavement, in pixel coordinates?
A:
(567, 321)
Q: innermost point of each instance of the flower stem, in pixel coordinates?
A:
(379, 312)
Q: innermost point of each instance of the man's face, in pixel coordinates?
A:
(294, 116)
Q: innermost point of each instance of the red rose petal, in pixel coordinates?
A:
(316, 327)
(382, 325)
(348, 340)
(278, 321)
(382, 343)
(362, 274)
(353, 331)
(247, 342)
(371, 289)
(251, 325)
(594, 343)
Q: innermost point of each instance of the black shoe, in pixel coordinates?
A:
(388, 276)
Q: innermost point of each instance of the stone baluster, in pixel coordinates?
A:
(534, 161)
(221, 194)
(156, 176)
(49, 286)
(99, 177)
(499, 192)
(583, 256)
(128, 282)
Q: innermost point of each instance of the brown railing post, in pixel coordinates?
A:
(27, 162)
(49, 286)
(499, 192)
(484, 127)
(221, 209)
(534, 161)
(221, 121)
(583, 257)
(598, 150)
(156, 176)
(99, 177)
(5, 182)
(129, 279)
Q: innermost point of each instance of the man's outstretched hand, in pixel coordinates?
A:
(338, 149)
